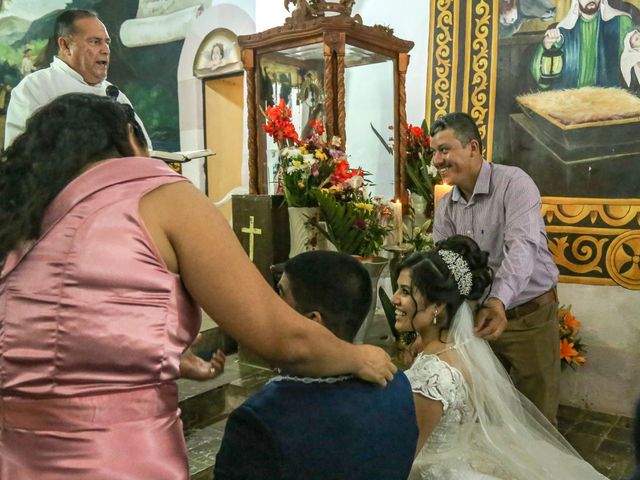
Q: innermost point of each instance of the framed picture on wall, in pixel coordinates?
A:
(219, 54)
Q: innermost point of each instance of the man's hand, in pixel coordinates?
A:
(491, 319)
(375, 365)
(195, 368)
(551, 36)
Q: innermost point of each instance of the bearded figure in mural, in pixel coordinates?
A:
(590, 41)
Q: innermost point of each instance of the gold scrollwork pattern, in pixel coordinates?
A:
(586, 250)
(595, 241)
(443, 90)
(480, 65)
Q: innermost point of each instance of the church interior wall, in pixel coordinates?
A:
(611, 331)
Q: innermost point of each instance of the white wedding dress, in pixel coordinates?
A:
(488, 430)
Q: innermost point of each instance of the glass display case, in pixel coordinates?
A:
(327, 66)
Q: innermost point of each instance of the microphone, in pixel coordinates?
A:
(113, 92)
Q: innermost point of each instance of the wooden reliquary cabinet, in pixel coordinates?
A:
(326, 65)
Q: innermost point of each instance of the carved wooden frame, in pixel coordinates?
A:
(593, 240)
(334, 32)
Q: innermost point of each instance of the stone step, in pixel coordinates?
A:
(203, 446)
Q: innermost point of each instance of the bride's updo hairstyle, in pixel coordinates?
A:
(456, 270)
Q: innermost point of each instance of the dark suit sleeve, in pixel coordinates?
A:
(249, 449)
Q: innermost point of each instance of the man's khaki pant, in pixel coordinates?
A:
(529, 349)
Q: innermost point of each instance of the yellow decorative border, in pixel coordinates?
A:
(480, 68)
(443, 58)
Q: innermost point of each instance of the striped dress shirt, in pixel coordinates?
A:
(504, 217)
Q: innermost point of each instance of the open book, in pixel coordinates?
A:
(180, 156)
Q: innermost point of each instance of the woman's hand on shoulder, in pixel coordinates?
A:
(375, 365)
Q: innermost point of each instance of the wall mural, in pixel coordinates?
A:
(147, 38)
(553, 86)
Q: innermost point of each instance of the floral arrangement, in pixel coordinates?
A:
(572, 351)
(356, 222)
(421, 237)
(305, 165)
(422, 175)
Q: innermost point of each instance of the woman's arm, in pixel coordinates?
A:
(196, 241)
(428, 415)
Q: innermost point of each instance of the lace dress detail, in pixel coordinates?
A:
(445, 455)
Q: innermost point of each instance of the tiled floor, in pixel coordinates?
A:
(603, 440)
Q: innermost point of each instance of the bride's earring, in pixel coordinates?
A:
(435, 316)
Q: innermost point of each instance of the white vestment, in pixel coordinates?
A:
(41, 87)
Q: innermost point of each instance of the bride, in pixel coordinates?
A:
(474, 424)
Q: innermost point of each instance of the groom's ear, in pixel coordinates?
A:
(315, 316)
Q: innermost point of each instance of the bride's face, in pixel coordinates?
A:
(410, 305)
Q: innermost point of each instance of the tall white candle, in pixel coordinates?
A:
(397, 220)
(439, 192)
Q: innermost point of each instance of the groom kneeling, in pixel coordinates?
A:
(323, 428)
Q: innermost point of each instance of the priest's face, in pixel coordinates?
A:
(87, 49)
(589, 7)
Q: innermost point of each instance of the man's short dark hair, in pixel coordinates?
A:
(335, 284)
(65, 22)
(462, 124)
(63, 26)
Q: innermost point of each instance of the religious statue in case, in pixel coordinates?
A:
(326, 65)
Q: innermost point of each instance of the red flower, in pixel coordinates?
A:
(317, 126)
(360, 224)
(343, 172)
(279, 124)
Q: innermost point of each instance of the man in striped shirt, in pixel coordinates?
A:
(499, 207)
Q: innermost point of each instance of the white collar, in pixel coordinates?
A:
(58, 64)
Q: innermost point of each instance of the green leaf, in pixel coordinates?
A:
(389, 311)
(412, 171)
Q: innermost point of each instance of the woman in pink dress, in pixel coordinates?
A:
(107, 255)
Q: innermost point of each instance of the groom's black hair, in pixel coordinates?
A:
(335, 284)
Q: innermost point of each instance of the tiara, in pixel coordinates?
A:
(459, 269)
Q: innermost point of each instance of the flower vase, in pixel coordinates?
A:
(375, 266)
(303, 235)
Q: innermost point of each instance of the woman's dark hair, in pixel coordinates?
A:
(60, 139)
(430, 274)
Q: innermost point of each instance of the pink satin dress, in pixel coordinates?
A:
(92, 325)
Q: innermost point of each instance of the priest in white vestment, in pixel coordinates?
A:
(80, 66)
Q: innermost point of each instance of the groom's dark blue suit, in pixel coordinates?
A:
(345, 430)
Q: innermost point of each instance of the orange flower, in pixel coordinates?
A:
(571, 322)
(567, 352)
